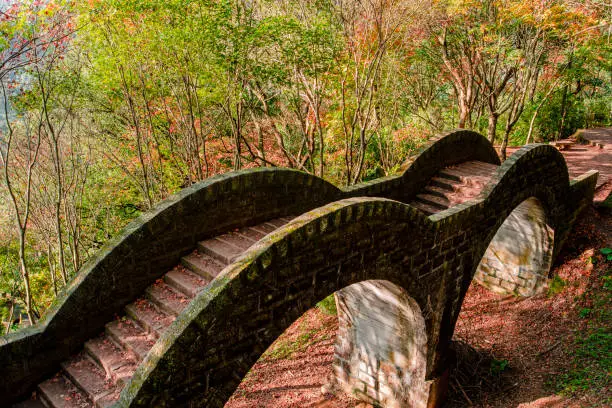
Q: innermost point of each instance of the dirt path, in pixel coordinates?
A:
(520, 347)
(582, 158)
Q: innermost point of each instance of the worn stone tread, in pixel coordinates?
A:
(202, 264)
(95, 376)
(117, 365)
(426, 208)
(237, 240)
(451, 174)
(131, 337)
(88, 376)
(278, 222)
(148, 316)
(251, 234)
(435, 201)
(264, 228)
(185, 281)
(445, 183)
(220, 250)
(437, 191)
(167, 299)
(58, 392)
(454, 185)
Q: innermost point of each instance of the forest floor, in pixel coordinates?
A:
(553, 350)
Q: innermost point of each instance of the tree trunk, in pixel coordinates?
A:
(531, 123)
(60, 244)
(26, 278)
(504, 145)
(563, 113)
(491, 129)
(9, 323)
(51, 268)
(464, 114)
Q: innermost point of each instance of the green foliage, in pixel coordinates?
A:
(607, 253)
(592, 364)
(499, 366)
(556, 285)
(328, 305)
(11, 289)
(285, 349)
(592, 348)
(152, 96)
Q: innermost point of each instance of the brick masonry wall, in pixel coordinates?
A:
(146, 249)
(381, 346)
(518, 259)
(214, 342)
(433, 259)
(153, 243)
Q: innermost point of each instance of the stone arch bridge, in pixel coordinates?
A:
(256, 249)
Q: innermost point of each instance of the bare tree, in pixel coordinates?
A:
(23, 162)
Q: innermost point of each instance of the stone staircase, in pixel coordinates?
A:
(454, 185)
(95, 376)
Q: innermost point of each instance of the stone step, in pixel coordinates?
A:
(168, 300)
(477, 167)
(444, 183)
(450, 174)
(427, 209)
(89, 378)
(264, 228)
(239, 241)
(251, 234)
(202, 264)
(279, 222)
(58, 392)
(96, 375)
(130, 337)
(185, 281)
(437, 191)
(441, 203)
(220, 250)
(148, 316)
(117, 364)
(470, 174)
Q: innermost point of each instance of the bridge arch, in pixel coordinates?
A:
(214, 342)
(381, 345)
(425, 263)
(518, 259)
(517, 251)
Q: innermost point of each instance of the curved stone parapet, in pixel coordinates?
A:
(254, 300)
(366, 236)
(445, 150)
(433, 259)
(148, 247)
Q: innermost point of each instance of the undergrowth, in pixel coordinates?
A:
(591, 366)
(328, 305)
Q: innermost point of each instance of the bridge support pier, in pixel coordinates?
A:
(518, 259)
(381, 346)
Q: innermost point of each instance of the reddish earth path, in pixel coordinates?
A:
(582, 158)
(533, 335)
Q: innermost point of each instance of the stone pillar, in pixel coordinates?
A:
(519, 257)
(381, 346)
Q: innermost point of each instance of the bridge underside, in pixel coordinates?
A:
(381, 346)
(518, 259)
(399, 252)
